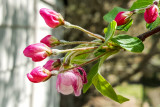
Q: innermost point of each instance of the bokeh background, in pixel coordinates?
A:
(136, 76)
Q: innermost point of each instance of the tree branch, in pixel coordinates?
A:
(149, 33)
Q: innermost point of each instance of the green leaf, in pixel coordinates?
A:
(141, 4)
(154, 24)
(129, 43)
(95, 69)
(106, 89)
(112, 14)
(110, 30)
(126, 26)
(90, 75)
(109, 34)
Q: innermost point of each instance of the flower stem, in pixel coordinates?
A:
(69, 25)
(137, 10)
(80, 49)
(62, 42)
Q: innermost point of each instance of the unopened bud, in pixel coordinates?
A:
(39, 74)
(151, 13)
(123, 17)
(52, 64)
(50, 41)
(37, 52)
(51, 17)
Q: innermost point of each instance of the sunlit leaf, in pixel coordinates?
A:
(90, 75)
(95, 69)
(141, 4)
(106, 89)
(129, 43)
(110, 30)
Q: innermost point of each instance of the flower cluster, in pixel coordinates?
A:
(150, 15)
(68, 81)
(70, 76)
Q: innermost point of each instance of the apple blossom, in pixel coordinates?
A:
(49, 40)
(123, 17)
(52, 64)
(71, 81)
(39, 74)
(37, 52)
(51, 17)
(151, 13)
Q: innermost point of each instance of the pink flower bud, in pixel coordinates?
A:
(39, 74)
(37, 52)
(52, 64)
(71, 81)
(151, 14)
(50, 41)
(51, 17)
(123, 17)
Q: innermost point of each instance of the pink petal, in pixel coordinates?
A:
(46, 40)
(84, 76)
(68, 78)
(78, 87)
(37, 75)
(50, 17)
(49, 65)
(39, 56)
(66, 90)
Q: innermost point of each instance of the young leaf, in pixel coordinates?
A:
(154, 24)
(110, 30)
(126, 26)
(95, 69)
(129, 43)
(141, 4)
(106, 89)
(109, 34)
(112, 14)
(90, 75)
